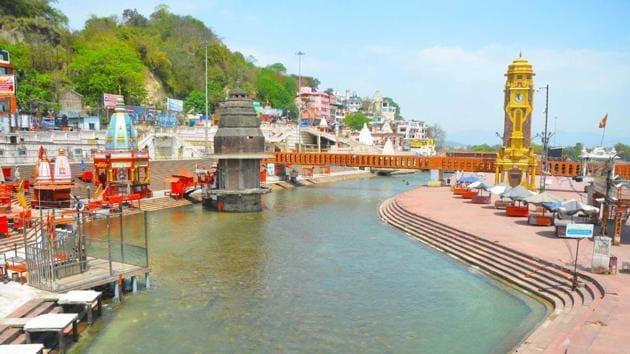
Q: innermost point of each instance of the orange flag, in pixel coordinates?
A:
(603, 121)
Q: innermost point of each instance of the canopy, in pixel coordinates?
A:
(572, 206)
(551, 206)
(474, 185)
(500, 188)
(517, 193)
(544, 197)
(469, 179)
(480, 185)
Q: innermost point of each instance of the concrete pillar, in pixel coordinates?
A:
(147, 280)
(134, 284)
(117, 289)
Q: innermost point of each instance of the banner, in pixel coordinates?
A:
(109, 100)
(174, 105)
(7, 84)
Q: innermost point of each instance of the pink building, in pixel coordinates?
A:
(316, 103)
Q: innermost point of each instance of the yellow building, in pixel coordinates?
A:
(516, 162)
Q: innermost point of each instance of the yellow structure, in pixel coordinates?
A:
(516, 154)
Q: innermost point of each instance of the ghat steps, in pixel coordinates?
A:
(532, 275)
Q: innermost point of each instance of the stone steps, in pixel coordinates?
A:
(547, 280)
(514, 264)
(467, 254)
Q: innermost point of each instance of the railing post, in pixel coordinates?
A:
(146, 238)
(109, 244)
(122, 246)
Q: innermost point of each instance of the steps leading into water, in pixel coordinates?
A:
(532, 275)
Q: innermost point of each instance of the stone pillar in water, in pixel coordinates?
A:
(239, 145)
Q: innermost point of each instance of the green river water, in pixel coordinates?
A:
(315, 272)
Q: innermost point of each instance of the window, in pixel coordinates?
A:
(92, 126)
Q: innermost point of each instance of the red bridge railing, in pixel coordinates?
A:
(445, 163)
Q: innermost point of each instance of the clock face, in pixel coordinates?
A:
(518, 98)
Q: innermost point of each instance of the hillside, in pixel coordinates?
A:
(143, 58)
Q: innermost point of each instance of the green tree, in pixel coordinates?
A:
(356, 120)
(195, 102)
(33, 9)
(108, 65)
(623, 151)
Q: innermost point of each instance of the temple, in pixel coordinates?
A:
(516, 161)
(121, 169)
(52, 184)
(239, 145)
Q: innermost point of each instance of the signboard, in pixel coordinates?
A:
(271, 168)
(435, 175)
(109, 100)
(7, 84)
(174, 105)
(579, 230)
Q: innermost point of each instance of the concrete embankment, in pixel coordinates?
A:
(587, 319)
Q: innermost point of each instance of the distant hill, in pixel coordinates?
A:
(143, 58)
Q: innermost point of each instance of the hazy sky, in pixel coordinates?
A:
(443, 61)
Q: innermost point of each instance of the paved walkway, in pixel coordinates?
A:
(607, 328)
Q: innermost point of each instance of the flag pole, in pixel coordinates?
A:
(601, 143)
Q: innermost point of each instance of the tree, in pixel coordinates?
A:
(108, 66)
(195, 102)
(623, 151)
(485, 148)
(134, 18)
(355, 121)
(277, 68)
(33, 9)
(393, 103)
(438, 135)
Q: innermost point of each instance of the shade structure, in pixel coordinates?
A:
(572, 207)
(480, 185)
(474, 185)
(517, 193)
(499, 188)
(544, 197)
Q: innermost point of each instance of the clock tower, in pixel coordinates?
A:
(516, 157)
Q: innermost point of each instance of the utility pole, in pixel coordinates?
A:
(207, 118)
(299, 116)
(543, 176)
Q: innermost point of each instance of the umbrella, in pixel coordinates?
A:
(517, 193)
(572, 207)
(544, 197)
(499, 188)
(551, 206)
(469, 179)
(474, 185)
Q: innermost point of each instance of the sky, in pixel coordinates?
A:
(443, 61)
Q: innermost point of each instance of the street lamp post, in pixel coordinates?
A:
(545, 139)
(207, 123)
(299, 54)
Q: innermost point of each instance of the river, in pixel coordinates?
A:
(316, 271)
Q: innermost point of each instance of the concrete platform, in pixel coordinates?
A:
(603, 329)
(98, 274)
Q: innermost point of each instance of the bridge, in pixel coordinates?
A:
(444, 163)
